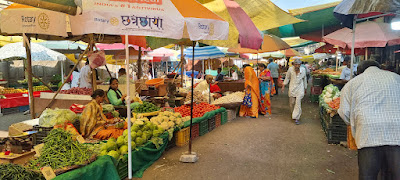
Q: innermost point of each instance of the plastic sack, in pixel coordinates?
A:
(50, 117)
(97, 59)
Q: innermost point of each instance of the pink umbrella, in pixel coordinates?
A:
(162, 52)
(368, 34)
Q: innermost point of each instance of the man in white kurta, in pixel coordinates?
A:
(296, 77)
(85, 77)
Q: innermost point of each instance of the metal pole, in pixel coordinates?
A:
(62, 71)
(182, 65)
(352, 46)
(257, 64)
(191, 104)
(128, 107)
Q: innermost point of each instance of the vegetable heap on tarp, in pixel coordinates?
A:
(50, 117)
(17, 172)
(330, 98)
(230, 98)
(198, 109)
(168, 120)
(145, 108)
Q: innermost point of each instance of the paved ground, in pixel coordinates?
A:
(7, 120)
(264, 148)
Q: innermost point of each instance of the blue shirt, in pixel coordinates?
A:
(273, 67)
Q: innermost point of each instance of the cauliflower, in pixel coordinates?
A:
(171, 124)
(164, 125)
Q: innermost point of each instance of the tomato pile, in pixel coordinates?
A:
(198, 109)
(335, 104)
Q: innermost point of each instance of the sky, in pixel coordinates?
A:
(295, 4)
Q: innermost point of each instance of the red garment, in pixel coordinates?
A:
(214, 88)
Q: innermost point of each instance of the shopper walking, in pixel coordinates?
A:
(251, 101)
(274, 68)
(267, 89)
(296, 77)
(370, 103)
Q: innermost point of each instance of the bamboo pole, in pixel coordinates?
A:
(366, 53)
(42, 82)
(139, 64)
(109, 73)
(69, 75)
(27, 42)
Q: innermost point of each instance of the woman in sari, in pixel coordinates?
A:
(93, 120)
(267, 89)
(251, 100)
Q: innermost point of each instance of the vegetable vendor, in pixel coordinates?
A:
(207, 84)
(345, 75)
(93, 120)
(116, 98)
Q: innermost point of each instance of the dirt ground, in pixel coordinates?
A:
(264, 148)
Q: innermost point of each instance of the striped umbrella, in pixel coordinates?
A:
(208, 52)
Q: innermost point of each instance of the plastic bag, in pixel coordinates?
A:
(97, 59)
(247, 99)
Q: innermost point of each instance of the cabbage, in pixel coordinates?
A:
(50, 117)
(111, 144)
(113, 154)
(124, 149)
(108, 108)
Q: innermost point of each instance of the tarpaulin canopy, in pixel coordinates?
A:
(18, 19)
(63, 45)
(297, 42)
(38, 52)
(65, 6)
(291, 52)
(317, 17)
(13, 39)
(367, 34)
(366, 6)
(201, 53)
(270, 43)
(259, 11)
(163, 52)
(118, 46)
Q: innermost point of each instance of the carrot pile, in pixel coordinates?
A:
(335, 104)
(108, 133)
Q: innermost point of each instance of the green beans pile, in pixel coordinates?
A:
(17, 172)
(60, 150)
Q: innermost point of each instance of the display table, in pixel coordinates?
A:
(231, 86)
(62, 101)
(17, 99)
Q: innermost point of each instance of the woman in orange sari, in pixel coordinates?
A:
(251, 100)
(266, 89)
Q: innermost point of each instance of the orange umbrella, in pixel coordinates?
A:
(291, 52)
(270, 43)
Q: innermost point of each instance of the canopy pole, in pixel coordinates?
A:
(27, 43)
(366, 53)
(116, 69)
(182, 65)
(352, 46)
(62, 71)
(191, 103)
(139, 64)
(152, 67)
(128, 103)
(109, 73)
(139, 59)
(257, 64)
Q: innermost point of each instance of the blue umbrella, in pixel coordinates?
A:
(207, 52)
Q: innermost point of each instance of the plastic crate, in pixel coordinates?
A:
(23, 108)
(182, 137)
(7, 111)
(316, 90)
(224, 117)
(218, 120)
(203, 127)
(211, 124)
(195, 130)
(42, 132)
(318, 81)
(314, 98)
(231, 114)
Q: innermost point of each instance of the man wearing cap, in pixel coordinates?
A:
(296, 77)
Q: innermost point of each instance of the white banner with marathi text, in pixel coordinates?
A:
(158, 18)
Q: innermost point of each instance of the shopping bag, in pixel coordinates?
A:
(247, 99)
(97, 59)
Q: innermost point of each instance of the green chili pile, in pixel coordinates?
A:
(14, 171)
(60, 150)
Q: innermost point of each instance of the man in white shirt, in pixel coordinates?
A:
(297, 77)
(370, 103)
(85, 76)
(234, 75)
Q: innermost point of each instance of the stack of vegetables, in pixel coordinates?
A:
(61, 152)
(236, 97)
(198, 109)
(109, 111)
(330, 98)
(50, 117)
(12, 91)
(168, 120)
(146, 107)
(17, 172)
(25, 81)
(140, 134)
(79, 91)
(40, 88)
(111, 131)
